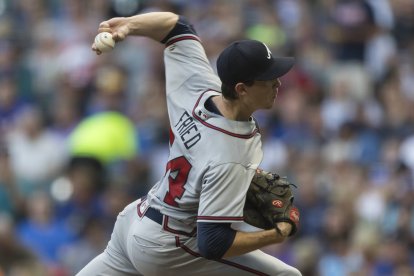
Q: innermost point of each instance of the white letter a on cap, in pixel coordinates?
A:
(269, 54)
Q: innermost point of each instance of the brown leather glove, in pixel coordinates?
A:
(269, 200)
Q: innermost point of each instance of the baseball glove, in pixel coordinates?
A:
(269, 200)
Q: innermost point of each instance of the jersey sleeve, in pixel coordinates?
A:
(223, 193)
(187, 67)
(214, 239)
(182, 27)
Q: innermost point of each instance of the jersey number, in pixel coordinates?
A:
(179, 168)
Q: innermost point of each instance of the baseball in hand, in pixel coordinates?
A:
(104, 42)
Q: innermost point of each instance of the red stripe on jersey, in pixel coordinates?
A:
(172, 137)
(220, 218)
(242, 136)
(185, 37)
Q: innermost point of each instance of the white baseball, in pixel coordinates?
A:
(104, 42)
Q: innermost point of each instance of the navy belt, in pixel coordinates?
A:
(154, 215)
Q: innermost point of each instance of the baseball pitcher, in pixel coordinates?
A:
(184, 225)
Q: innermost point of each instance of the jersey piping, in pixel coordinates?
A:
(181, 37)
(201, 218)
(242, 136)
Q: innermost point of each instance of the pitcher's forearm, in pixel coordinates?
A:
(245, 242)
(155, 25)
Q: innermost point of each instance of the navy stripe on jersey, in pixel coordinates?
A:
(181, 27)
(242, 136)
(223, 261)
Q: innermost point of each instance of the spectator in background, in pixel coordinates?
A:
(43, 54)
(64, 116)
(11, 201)
(381, 47)
(338, 106)
(110, 89)
(42, 232)
(352, 23)
(13, 253)
(36, 155)
(403, 29)
(94, 231)
(86, 181)
(10, 104)
(93, 239)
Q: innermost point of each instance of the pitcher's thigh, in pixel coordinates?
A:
(102, 265)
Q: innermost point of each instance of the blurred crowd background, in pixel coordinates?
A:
(83, 135)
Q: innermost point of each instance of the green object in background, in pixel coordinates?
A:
(271, 35)
(107, 136)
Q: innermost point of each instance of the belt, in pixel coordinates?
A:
(167, 223)
(154, 215)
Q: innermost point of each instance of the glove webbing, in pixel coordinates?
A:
(269, 185)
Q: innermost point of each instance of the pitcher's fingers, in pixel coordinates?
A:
(101, 30)
(96, 50)
(104, 27)
(104, 24)
(118, 36)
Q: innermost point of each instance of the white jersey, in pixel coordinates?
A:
(212, 159)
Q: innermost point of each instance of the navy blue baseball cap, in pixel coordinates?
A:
(249, 60)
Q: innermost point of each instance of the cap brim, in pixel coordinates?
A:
(280, 66)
